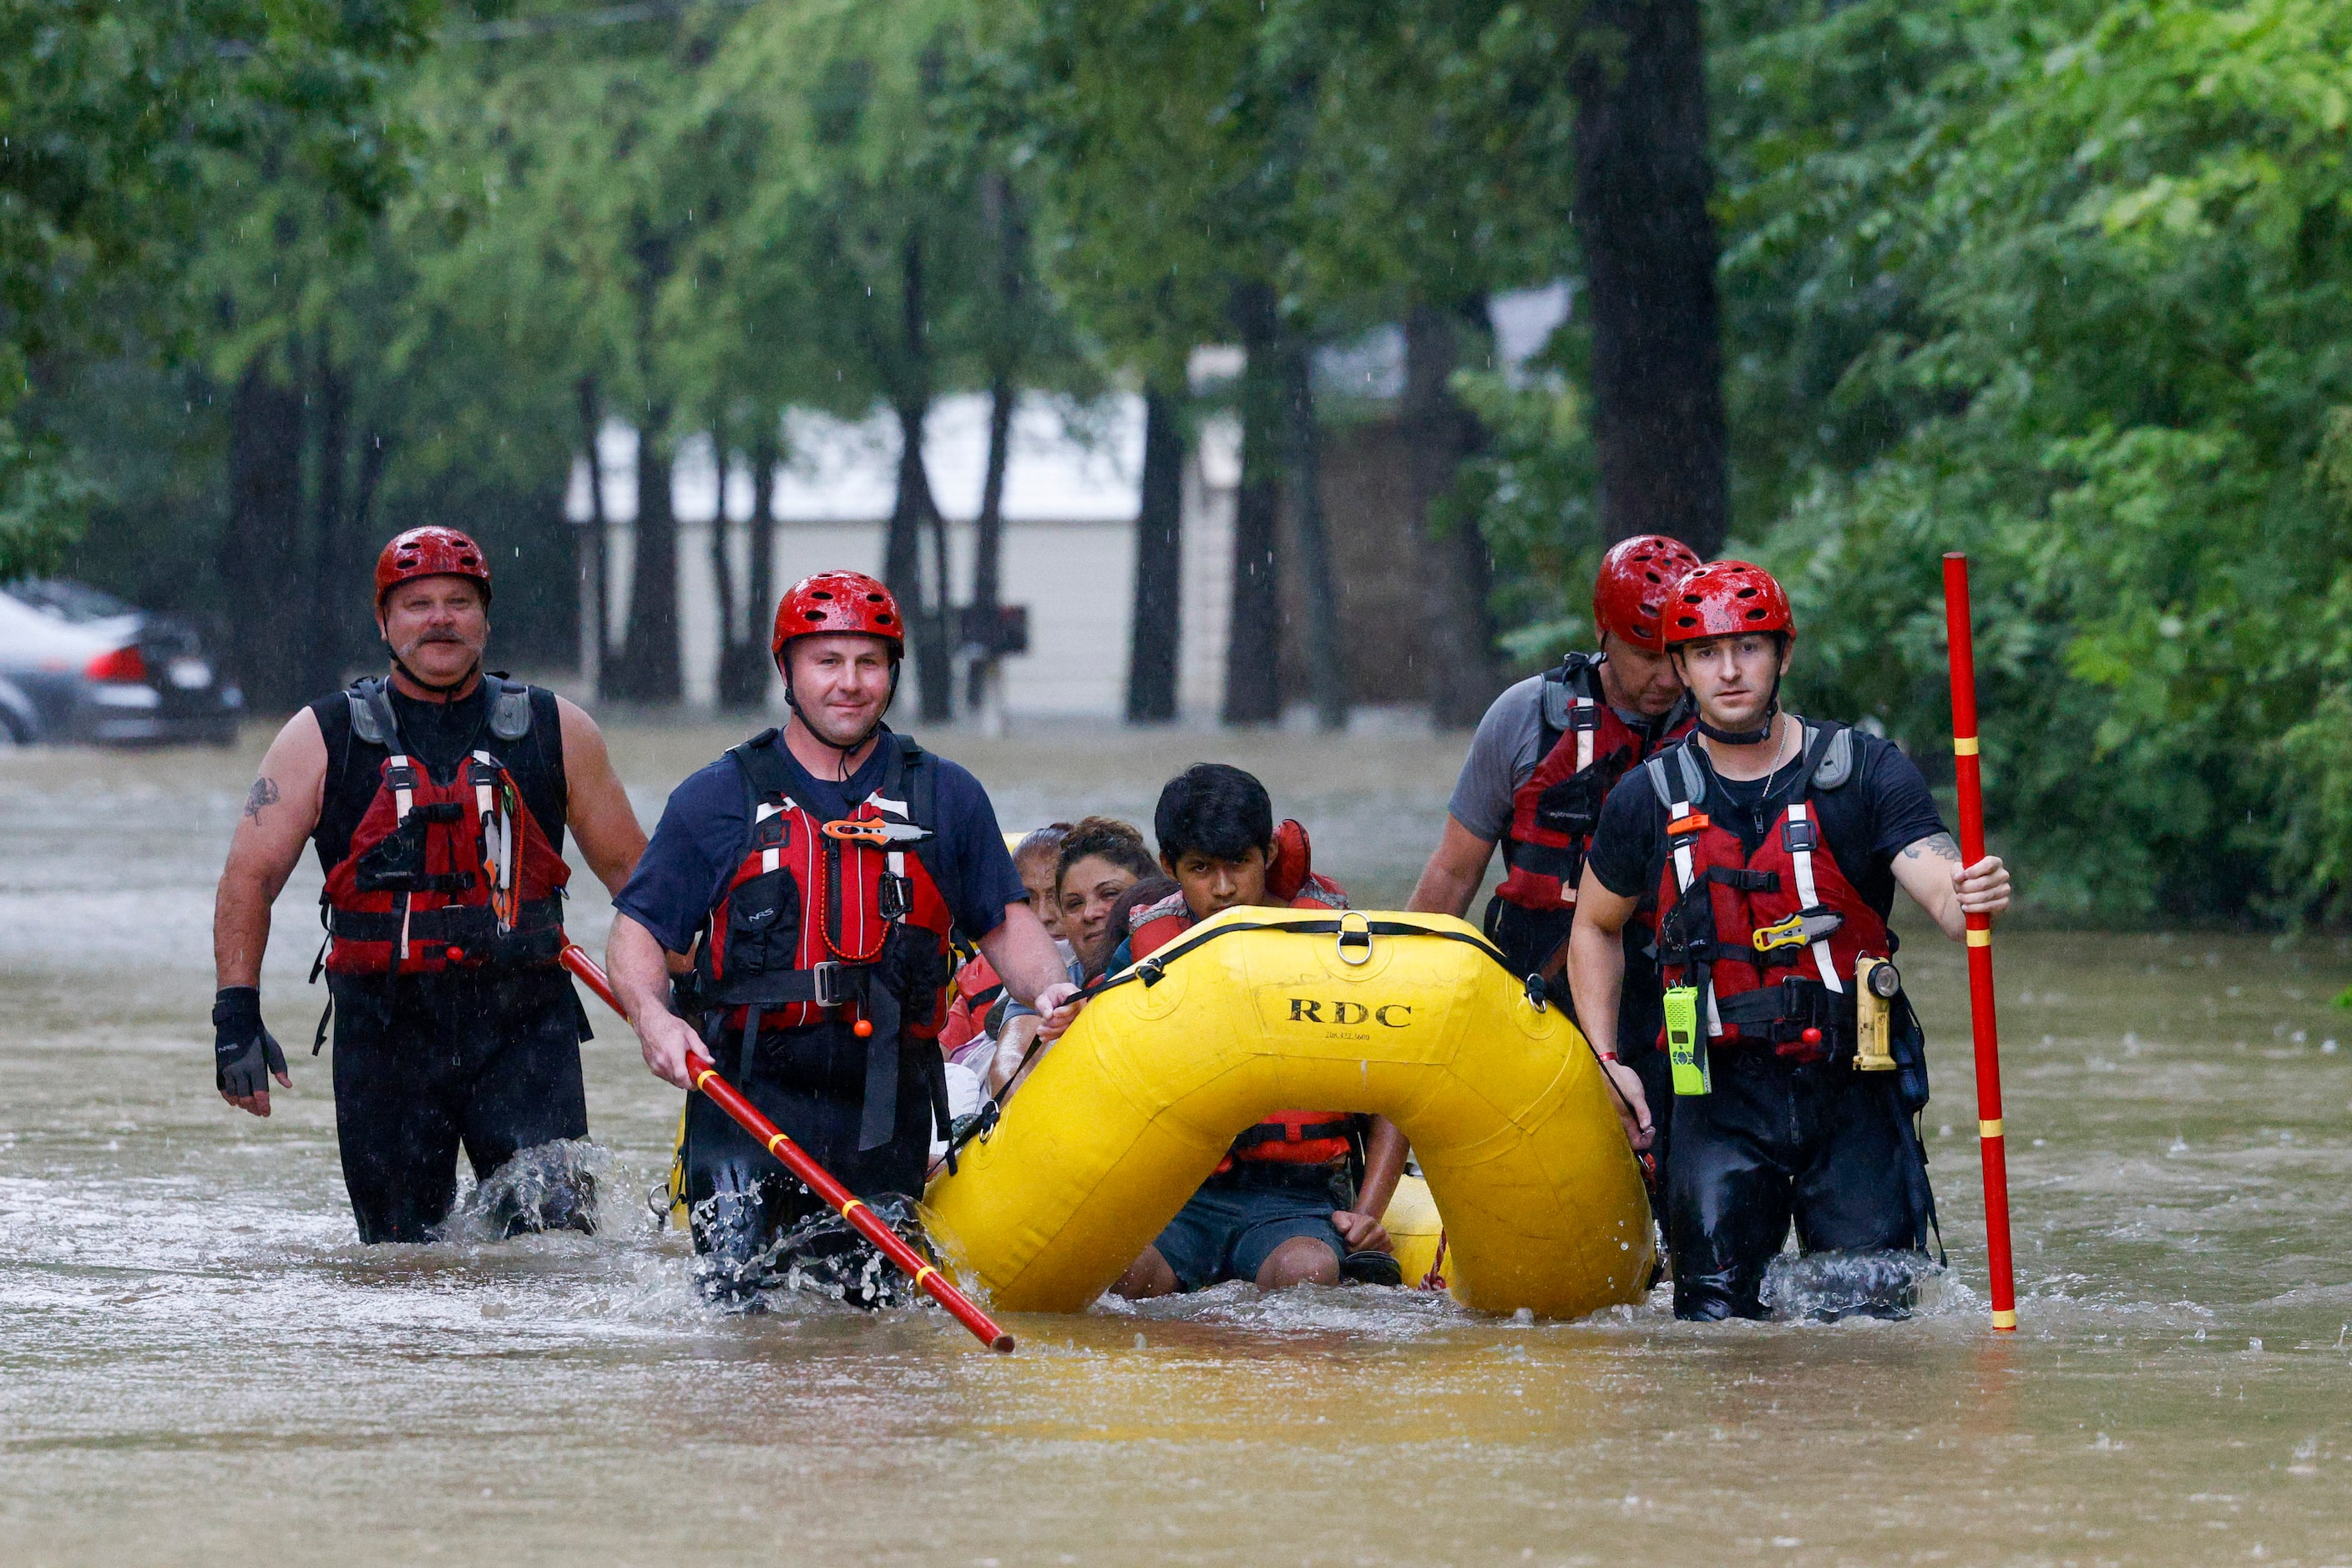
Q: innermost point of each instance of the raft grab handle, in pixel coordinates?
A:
(1352, 928)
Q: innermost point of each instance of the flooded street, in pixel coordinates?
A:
(202, 1365)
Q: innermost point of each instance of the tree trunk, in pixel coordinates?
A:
(722, 567)
(937, 653)
(259, 547)
(1457, 649)
(1253, 638)
(744, 666)
(988, 541)
(1151, 662)
(374, 452)
(592, 538)
(648, 668)
(1642, 180)
(1327, 652)
(915, 512)
(330, 577)
(902, 562)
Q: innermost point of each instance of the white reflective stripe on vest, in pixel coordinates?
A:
(401, 799)
(894, 861)
(771, 859)
(1807, 898)
(1683, 881)
(497, 836)
(1585, 740)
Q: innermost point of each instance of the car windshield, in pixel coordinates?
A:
(75, 602)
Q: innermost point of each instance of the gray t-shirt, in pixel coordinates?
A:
(1503, 754)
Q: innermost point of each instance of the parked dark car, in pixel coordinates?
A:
(78, 664)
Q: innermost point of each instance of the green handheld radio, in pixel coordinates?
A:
(1685, 1046)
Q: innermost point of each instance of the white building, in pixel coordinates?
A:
(1072, 489)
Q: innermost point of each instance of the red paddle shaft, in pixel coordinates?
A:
(1989, 1137)
(796, 1159)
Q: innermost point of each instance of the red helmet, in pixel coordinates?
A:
(1723, 598)
(1636, 577)
(430, 553)
(839, 601)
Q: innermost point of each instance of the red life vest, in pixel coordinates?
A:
(832, 921)
(1714, 900)
(444, 874)
(977, 987)
(1588, 749)
(1286, 1137)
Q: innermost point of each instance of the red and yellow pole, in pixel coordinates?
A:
(797, 1160)
(1991, 1139)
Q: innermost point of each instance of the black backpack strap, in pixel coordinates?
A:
(911, 774)
(1578, 674)
(1834, 764)
(1660, 785)
(509, 717)
(371, 716)
(1677, 770)
(762, 769)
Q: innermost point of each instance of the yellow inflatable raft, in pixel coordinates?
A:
(1410, 1016)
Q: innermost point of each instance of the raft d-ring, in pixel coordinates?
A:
(1355, 937)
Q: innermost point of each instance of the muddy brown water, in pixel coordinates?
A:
(202, 1365)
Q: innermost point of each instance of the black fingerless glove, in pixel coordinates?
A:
(244, 1054)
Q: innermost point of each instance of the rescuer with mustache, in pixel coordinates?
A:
(437, 796)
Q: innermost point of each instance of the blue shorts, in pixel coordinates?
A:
(1232, 1226)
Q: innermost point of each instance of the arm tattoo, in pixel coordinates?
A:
(264, 796)
(1939, 845)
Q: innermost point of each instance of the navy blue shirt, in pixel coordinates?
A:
(706, 831)
(1881, 811)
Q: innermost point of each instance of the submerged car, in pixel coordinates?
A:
(78, 664)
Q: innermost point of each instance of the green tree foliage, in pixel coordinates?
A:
(2068, 288)
(120, 122)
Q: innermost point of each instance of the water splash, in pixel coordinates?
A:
(565, 1185)
(1825, 1286)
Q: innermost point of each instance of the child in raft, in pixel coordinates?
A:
(1094, 863)
(1277, 1211)
(978, 1005)
(965, 1036)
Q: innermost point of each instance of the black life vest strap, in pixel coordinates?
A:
(424, 925)
(839, 984)
(536, 937)
(1782, 1012)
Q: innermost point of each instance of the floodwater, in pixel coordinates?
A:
(201, 1365)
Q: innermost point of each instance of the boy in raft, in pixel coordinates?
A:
(804, 889)
(1772, 846)
(1268, 1215)
(1546, 755)
(436, 796)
